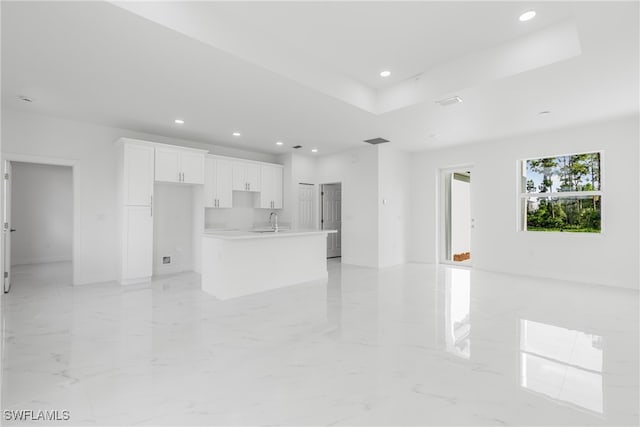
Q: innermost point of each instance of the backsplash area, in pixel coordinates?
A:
(242, 216)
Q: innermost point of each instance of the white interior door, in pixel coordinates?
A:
(305, 206)
(332, 217)
(6, 228)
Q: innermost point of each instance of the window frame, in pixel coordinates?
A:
(523, 195)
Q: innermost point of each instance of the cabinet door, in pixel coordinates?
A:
(210, 185)
(224, 183)
(276, 187)
(253, 176)
(138, 243)
(138, 174)
(239, 176)
(167, 164)
(192, 167)
(266, 193)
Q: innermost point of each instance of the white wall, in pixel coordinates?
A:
(357, 170)
(42, 213)
(172, 227)
(393, 201)
(91, 148)
(609, 258)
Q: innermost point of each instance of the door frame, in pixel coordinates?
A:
(443, 200)
(321, 205)
(75, 184)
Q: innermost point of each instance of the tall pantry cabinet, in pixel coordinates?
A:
(135, 194)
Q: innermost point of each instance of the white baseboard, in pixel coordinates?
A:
(43, 260)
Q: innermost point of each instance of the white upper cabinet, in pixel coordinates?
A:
(175, 164)
(218, 183)
(192, 165)
(246, 176)
(167, 164)
(271, 187)
(138, 174)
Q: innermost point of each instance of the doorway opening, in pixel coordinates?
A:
(457, 216)
(37, 224)
(331, 217)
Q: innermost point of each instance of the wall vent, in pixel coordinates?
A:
(376, 141)
(449, 101)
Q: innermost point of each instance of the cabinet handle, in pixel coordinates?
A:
(151, 206)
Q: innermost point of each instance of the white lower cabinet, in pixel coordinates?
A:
(137, 244)
(218, 182)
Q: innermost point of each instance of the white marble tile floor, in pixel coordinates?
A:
(411, 345)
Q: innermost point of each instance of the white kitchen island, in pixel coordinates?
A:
(237, 263)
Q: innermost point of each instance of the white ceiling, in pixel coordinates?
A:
(308, 72)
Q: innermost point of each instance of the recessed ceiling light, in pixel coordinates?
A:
(544, 113)
(25, 98)
(279, 143)
(179, 121)
(385, 73)
(314, 150)
(527, 16)
(236, 134)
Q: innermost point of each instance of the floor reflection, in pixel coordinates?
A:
(457, 312)
(563, 364)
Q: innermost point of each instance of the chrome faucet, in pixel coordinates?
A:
(274, 225)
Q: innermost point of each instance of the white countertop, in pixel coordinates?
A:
(255, 234)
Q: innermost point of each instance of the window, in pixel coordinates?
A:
(562, 193)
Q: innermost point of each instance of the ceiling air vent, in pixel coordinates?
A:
(297, 146)
(376, 141)
(449, 101)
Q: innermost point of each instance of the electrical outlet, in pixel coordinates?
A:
(166, 260)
